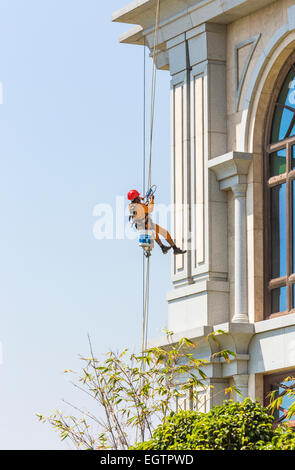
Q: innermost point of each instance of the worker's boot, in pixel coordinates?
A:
(165, 249)
(178, 251)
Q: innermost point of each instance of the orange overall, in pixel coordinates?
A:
(139, 212)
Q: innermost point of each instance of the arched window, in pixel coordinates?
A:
(280, 199)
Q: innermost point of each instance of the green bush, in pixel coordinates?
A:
(174, 433)
(231, 426)
(283, 439)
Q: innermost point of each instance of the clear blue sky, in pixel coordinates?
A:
(70, 138)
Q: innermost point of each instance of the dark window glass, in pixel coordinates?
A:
(278, 231)
(278, 162)
(283, 125)
(279, 300)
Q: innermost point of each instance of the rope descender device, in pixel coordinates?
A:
(146, 241)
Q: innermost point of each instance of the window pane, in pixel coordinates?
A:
(278, 162)
(283, 116)
(278, 231)
(279, 300)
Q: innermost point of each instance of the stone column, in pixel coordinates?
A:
(241, 304)
(207, 56)
(197, 63)
(180, 155)
(241, 383)
(231, 171)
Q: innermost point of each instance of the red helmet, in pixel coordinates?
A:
(133, 194)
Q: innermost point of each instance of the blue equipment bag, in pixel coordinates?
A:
(146, 238)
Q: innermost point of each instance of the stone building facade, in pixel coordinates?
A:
(233, 170)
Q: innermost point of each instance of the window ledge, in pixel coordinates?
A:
(275, 323)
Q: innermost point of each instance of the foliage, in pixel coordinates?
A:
(231, 426)
(283, 439)
(135, 393)
(174, 433)
(276, 398)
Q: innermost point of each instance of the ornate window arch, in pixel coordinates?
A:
(279, 199)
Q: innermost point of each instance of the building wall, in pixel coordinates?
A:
(266, 22)
(217, 141)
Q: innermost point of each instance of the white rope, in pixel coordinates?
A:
(146, 275)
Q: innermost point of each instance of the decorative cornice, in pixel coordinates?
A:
(236, 338)
(197, 288)
(183, 14)
(231, 169)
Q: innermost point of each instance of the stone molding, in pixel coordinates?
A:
(197, 288)
(176, 17)
(231, 169)
(277, 323)
(253, 41)
(235, 337)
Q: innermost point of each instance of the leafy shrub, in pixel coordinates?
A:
(231, 426)
(174, 433)
(283, 439)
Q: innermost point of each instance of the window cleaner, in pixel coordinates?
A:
(140, 209)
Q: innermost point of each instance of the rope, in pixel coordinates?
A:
(144, 115)
(143, 185)
(146, 306)
(153, 90)
(146, 274)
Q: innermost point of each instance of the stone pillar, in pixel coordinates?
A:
(241, 383)
(207, 56)
(197, 62)
(231, 171)
(180, 155)
(241, 292)
(216, 392)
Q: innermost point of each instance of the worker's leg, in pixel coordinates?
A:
(164, 233)
(157, 238)
(151, 226)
